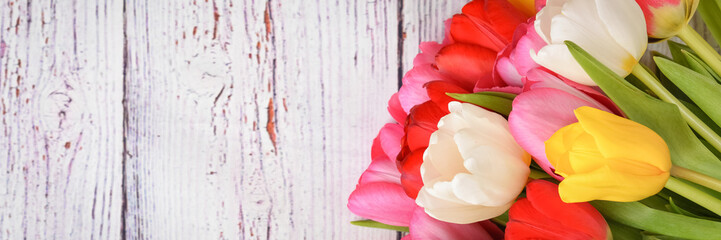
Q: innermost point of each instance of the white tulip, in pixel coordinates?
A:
(473, 169)
(612, 31)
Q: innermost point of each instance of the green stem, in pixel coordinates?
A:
(696, 177)
(691, 193)
(536, 174)
(699, 126)
(502, 219)
(701, 47)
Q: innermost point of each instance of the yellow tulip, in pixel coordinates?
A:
(607, 157)
(527, 7)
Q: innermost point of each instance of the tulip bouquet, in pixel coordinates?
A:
(535, 120)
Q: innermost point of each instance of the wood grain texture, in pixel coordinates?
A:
(197, 119)
(254, 119)
(61, 119)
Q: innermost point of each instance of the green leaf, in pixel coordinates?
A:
(623, 232)
(502, 219)
(709, 10)
(639, 216)
(495, 101)
(374, 224)
(509, 96)
(688, 205)
(698, 65)
(702, 115)
(654, 236)
(655, 202)
(702, 90)
(664, 81)
(663, 118)
(677, 52)
(673, 207)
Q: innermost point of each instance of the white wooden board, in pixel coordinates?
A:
(197, 119)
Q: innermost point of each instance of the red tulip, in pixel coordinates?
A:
(542, 215)
(487, 23)
(665, 18)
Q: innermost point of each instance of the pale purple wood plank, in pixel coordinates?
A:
(61, 115)
(254, 119)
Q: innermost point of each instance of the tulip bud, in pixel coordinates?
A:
(612, 31)
(473, 169)
(607, 157)
(665, 18)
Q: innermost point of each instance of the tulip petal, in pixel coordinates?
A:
(529, 41)
(390, 138)
(539, 113)
(488, 24)
(429, 50)
(581, 217)
(437, 92)
(527, 7)
(381, 170)
(439, 203)
(539, 78)
(557, 58)
(425, 227)
(613, 135)
(508, 72)
(601, 45)
(624, 21)
(422, 122)
(543, 213)
(382, 202)
(496, 178)
(464, 30)
(412, 92)
(386, 145)
(466, 64)
(617, 186)
(411, 173)
(504, 18)
(396, 110)
(528, 223)
(543, 20)
(441, 149)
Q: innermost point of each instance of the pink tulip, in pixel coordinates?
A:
(412, 92)
(426, 227)
(396, 110)
(379, 195)
(547, 105)
(515, 60)
(665, 18)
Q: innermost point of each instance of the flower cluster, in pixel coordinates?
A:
(520, 91)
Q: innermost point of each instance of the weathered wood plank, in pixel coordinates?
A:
(254, 119)
(337, 65)
(61, 66)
